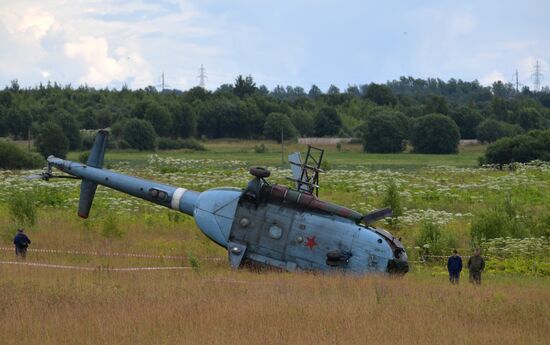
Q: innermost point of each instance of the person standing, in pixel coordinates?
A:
(21, 242)
(476, 265)
(454, 266)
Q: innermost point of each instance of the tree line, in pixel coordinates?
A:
(432, 115)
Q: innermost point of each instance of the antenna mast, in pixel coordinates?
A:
(162, 84)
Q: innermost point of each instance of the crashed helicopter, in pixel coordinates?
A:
(267, 224)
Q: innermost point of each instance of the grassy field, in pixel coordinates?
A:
(208, 303)
(348, 155)
(221, 307)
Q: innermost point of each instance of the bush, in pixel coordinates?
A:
(501, 220)
(435, 133)
(110, 228)
(520, 148)
(393, 199)
(12, 157)
(429, 239)
(384, 133)
(261, 148)
(175, 144)
(433, 241)
(22, 208)
(123, 145)
(83, 157)
(52, 141)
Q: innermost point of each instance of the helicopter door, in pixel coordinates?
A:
(276, 226)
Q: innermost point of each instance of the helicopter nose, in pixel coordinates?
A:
(399, 265)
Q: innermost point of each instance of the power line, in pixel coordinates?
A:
(537, 76)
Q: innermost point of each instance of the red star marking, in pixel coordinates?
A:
(311, 242)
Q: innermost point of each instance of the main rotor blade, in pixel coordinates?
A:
(33, 177)
(373, 216)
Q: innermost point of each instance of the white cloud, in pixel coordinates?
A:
(102, 68)
(99, 43)
(491, 77)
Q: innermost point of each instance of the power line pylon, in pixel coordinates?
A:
(202, 77)
(537, 76)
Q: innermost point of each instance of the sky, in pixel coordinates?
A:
(111, 43)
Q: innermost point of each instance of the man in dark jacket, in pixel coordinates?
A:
(476, 265)
(454, 266)
(21, 242)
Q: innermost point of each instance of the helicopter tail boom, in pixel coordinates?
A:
(88, 187)
(92, 174)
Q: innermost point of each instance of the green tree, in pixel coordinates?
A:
(435, 133)
(383, 133)
(303, 122)
(315, 92)
(436, 104)
(87, 118)
(19, 122)
(51, 140)
(380, 94)
(327, 122)
(69, 125)
(277, 122)
(467, 119)
(244, 86)
(104, 117)
(499, 109)
(139, 134)
(184, 121)
(528, 118)
(490, 130)
(159, 117)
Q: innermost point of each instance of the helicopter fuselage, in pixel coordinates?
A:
(271, 225)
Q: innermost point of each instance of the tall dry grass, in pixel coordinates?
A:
(218, 306)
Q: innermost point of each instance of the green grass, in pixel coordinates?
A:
(349, 156)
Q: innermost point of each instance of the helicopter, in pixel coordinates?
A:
(271, 225)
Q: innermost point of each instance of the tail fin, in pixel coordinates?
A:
(87, 187)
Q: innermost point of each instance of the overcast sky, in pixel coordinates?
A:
(115, 42)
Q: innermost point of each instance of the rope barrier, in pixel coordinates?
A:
(180, 257)
(85, 268)
(127, 255)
